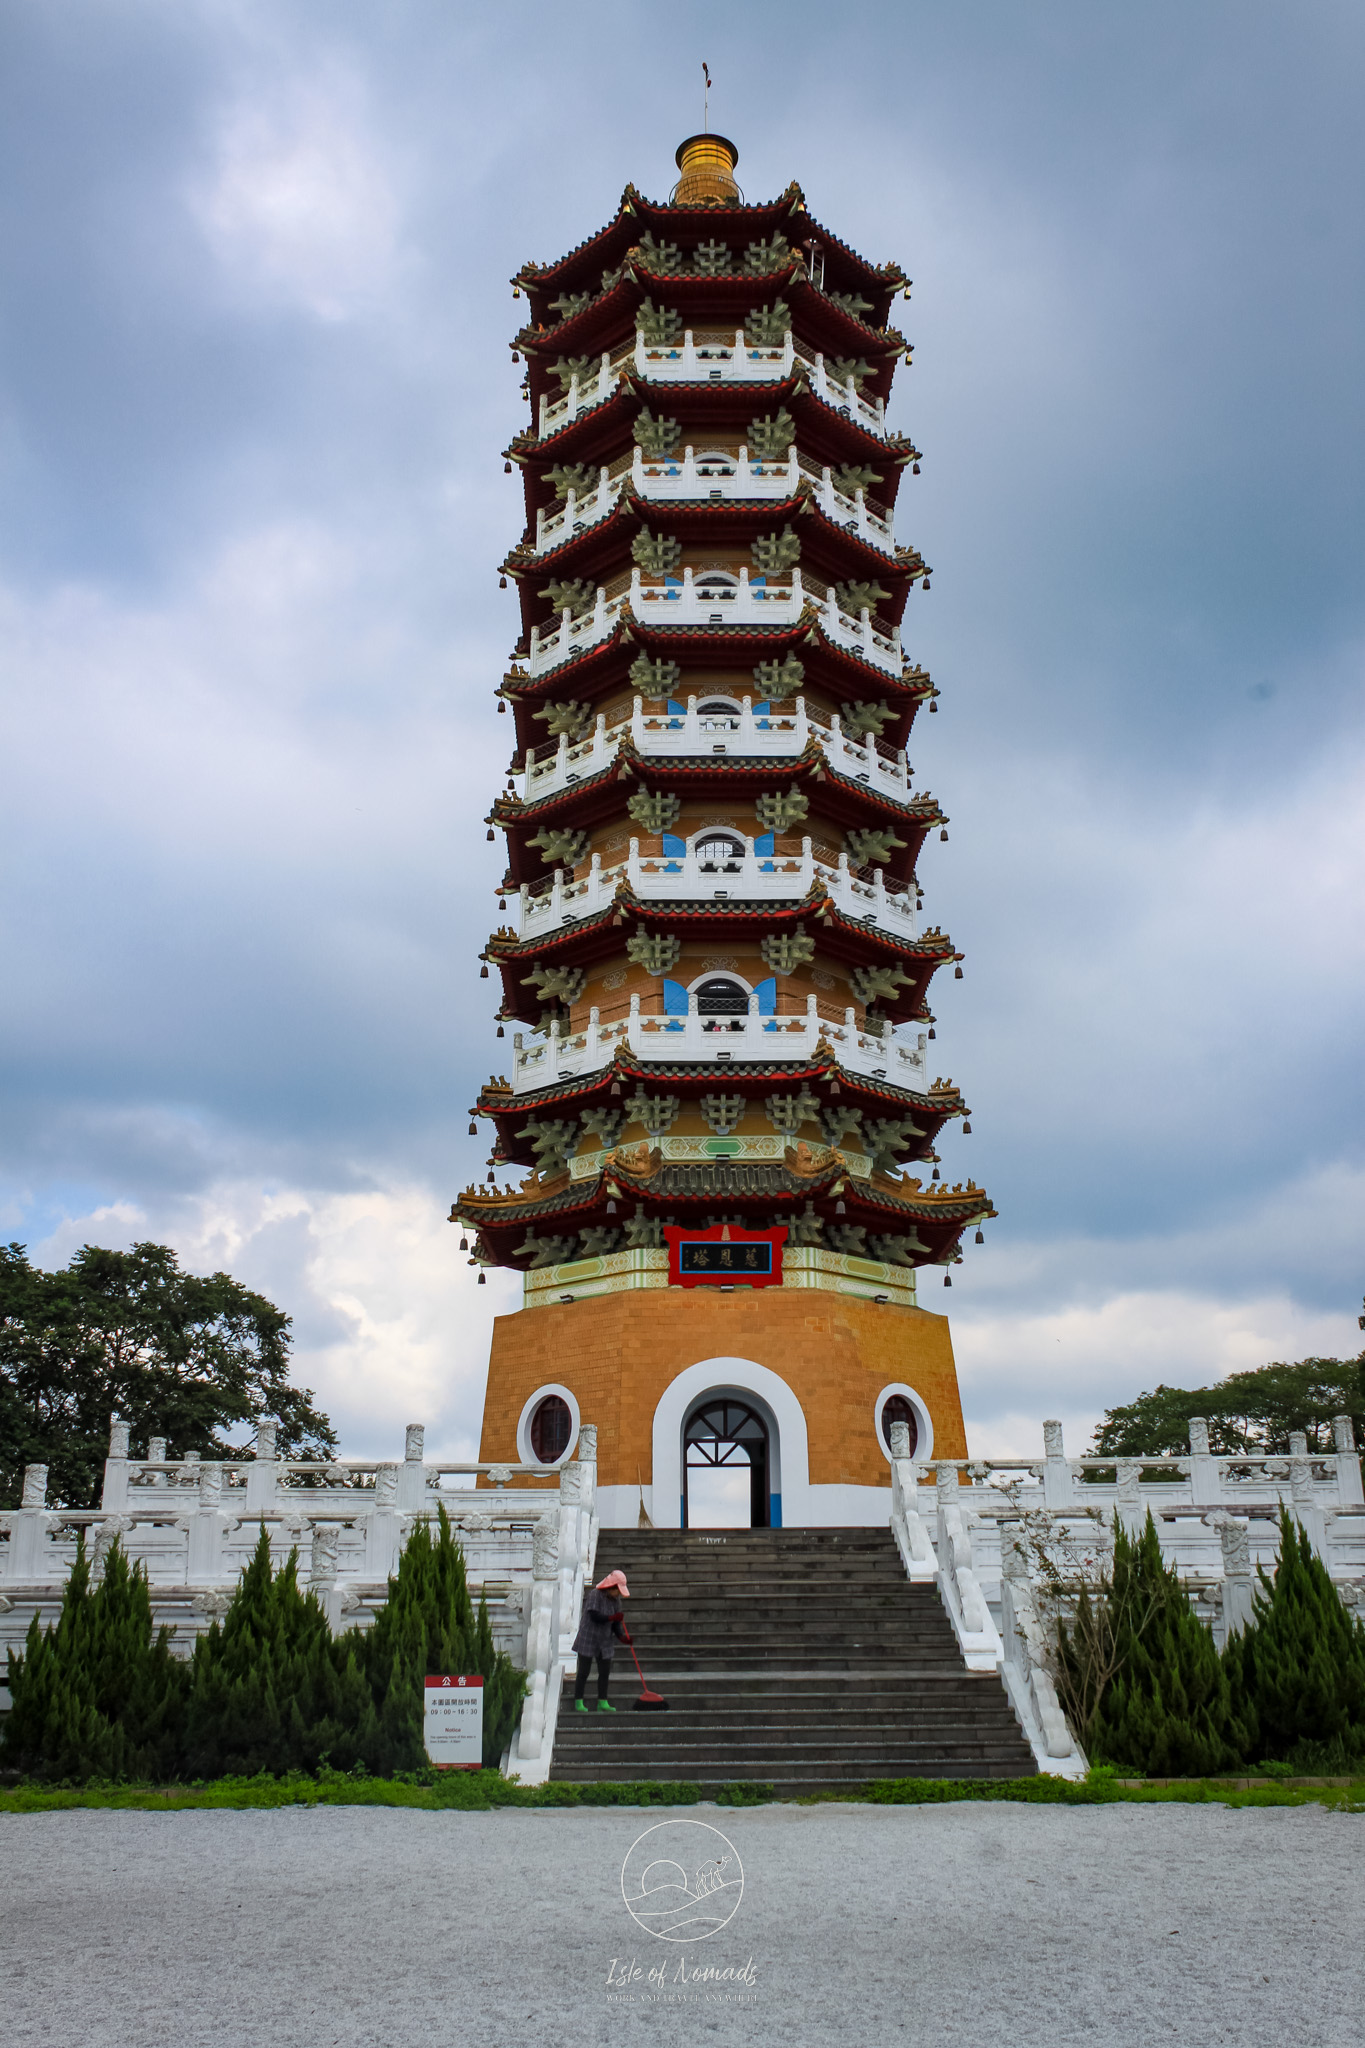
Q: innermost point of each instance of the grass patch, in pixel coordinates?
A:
(481, 1791)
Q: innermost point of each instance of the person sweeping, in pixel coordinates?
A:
(602, 1627)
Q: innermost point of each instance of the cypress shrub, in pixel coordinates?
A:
(1164, 1708)
(1298, 1673)
(429, 1628)
(99, 1694)
(267, 1692)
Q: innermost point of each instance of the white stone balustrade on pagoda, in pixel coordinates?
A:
(714, 1040)
(747, 878)
(710, 598)
(702, 359)
(744, 731)
(715, 474)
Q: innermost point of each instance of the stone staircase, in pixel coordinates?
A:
(803, 1658)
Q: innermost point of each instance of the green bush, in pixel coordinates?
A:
(429, 1628)
(1297, 1675)
(1164, 1708)
(99, 1694)
(269, 1689)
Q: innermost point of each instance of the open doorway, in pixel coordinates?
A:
(725, 1466)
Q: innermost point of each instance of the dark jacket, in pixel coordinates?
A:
(601, 1625)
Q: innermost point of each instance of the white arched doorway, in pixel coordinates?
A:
(745, 1384)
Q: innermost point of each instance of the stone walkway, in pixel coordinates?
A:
(857, 1927)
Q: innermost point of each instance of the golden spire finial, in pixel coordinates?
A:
(707, 163)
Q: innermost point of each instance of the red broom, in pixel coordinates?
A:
(648, 1702)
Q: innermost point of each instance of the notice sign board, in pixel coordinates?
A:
(453, 1727)
(726, 1255)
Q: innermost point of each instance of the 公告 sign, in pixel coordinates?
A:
(453, 1724)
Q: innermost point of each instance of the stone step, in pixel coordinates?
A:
(776, 1771)
(805, 1658)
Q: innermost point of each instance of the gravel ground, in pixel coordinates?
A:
(858, 1926)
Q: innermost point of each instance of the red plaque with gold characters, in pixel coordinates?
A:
(724, 1256)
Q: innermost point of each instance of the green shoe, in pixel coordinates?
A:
(580, 1706)
(605, 1707)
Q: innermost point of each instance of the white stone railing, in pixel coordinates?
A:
(193, 1525)
(754, 877)
(583, 392)
(715, 474)
(714, 359)
(714, 1039)
(550, 646)
(689, 731)
(690, 600)
(989, 1524)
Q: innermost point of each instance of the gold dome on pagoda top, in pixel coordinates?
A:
(707, 163)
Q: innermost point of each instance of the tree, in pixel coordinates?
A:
(195, 1360)
(99, 1694)
(1249, 1412)
(1141, 1674)
(1298, 1673)
(269, 1689)
(427, 1628)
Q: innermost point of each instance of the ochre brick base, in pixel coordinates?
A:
(618, 1352)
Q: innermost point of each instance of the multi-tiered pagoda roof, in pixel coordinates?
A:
(717, 965)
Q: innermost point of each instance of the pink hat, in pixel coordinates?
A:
(614, 1579)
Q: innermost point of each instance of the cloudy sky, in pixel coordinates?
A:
(254, 385)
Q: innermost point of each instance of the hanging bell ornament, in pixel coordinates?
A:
(934, 1174)
(500, 1032)
(502, 583)
(483, 972)
(473, 1130)
(914, 469)
(981, 1237)
(491, 835)
(933, 706)
(967, 1128)
(834, 1089)
(515, 357)
(943, 835)
(925, 586)
(502, 706)
(611, 1208)
(616, 1087)
(957, 974)
(839, 1208)
(507, 469)
(484, 1283)
(464, 1244)
(947, 1279)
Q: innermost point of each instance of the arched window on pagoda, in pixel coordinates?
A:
(716, 462)
(723, 1001)
(716, 588)
(719, 853)
(718, 714)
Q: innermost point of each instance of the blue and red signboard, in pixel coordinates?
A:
(724, 1256)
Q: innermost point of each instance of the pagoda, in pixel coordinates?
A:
(716, 972)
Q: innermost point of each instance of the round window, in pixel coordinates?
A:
(551, 1426)
(897, 1409)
